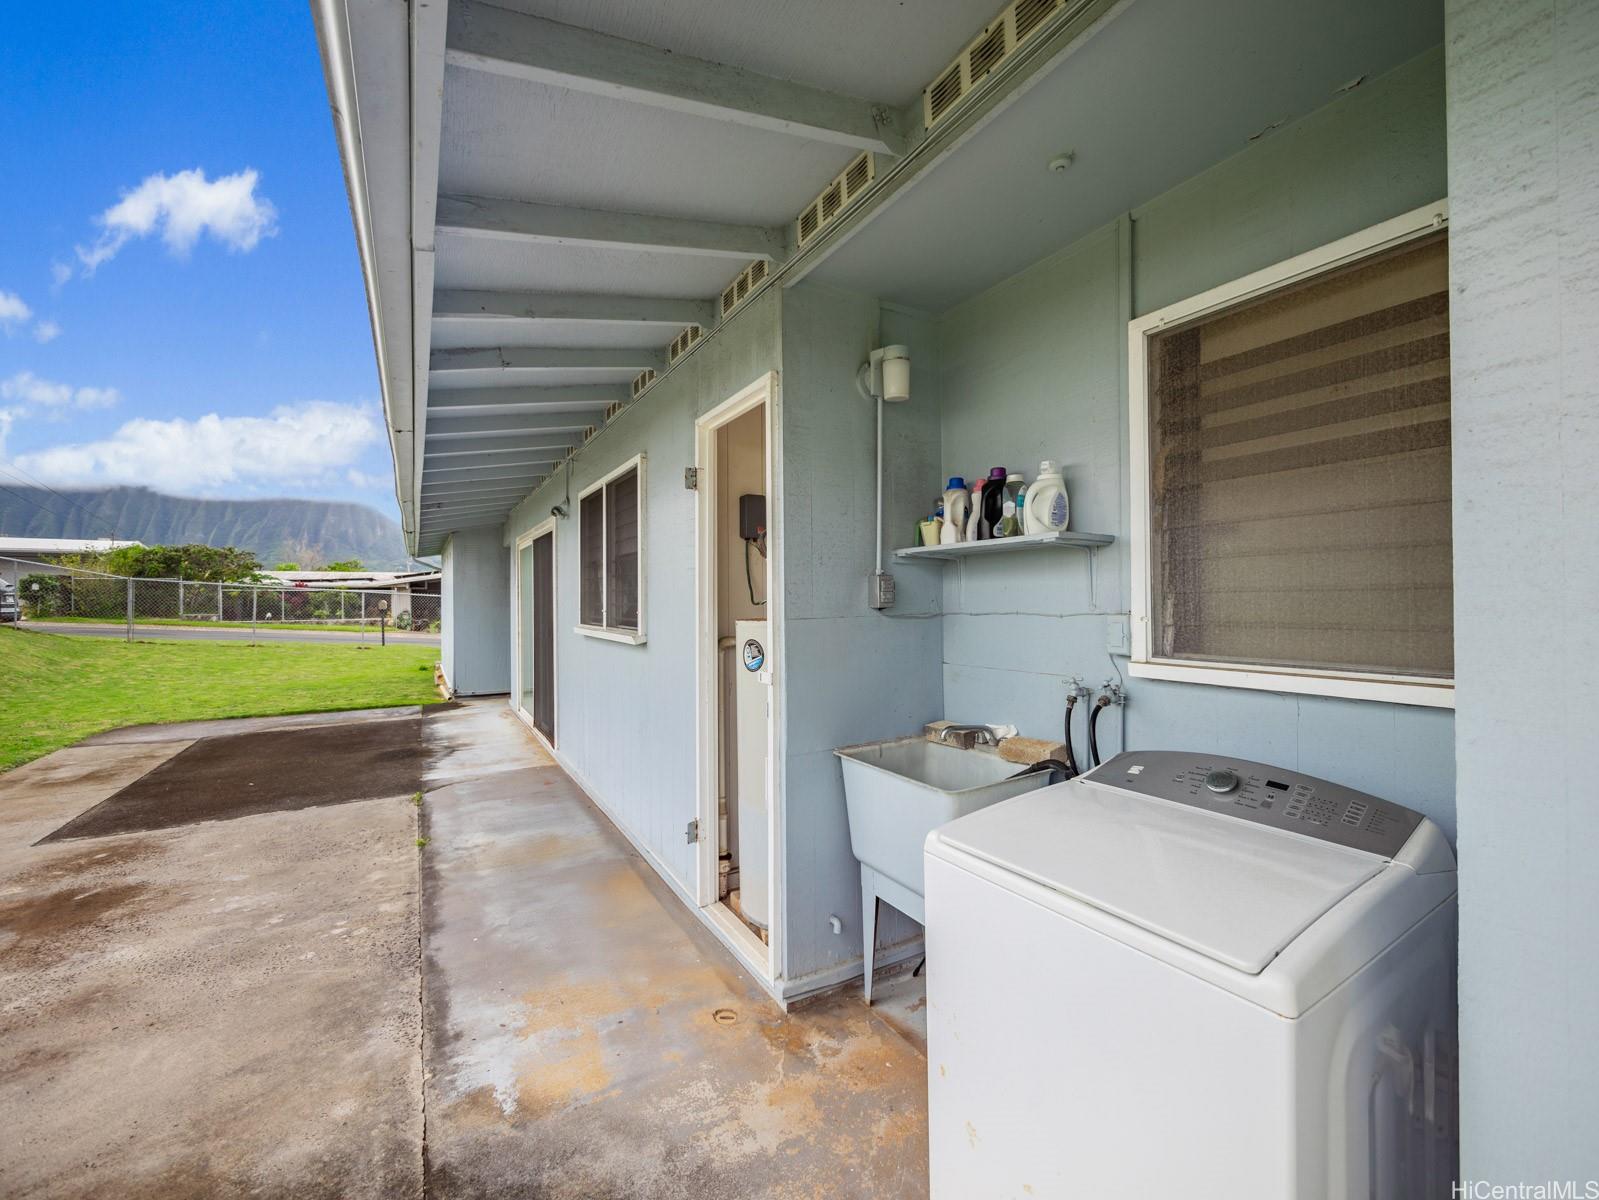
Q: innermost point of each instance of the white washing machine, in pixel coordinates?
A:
(1184, 975)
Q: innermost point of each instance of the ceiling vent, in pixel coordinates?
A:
(835, 197)
(745, 282)
(642, 380)
(994, 45)
(588, 432)
(612, 409)
(683, 342)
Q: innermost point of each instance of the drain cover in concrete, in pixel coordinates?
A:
(273, 770)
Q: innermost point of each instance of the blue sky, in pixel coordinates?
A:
(212, 337)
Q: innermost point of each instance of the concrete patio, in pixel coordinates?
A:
(268, 1005)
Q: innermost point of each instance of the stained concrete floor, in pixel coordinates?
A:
(251, 1007)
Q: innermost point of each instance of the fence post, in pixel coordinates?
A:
(180, 599)
(130, 608)
(255, 596)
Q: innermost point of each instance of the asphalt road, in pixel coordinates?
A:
(229, 633)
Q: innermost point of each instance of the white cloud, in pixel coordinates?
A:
(181, 208)
(60, 272)
(367, 479)
(296, 444)
(46, 331)
(29, 389)
(13, 312)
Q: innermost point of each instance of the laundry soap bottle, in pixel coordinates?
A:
(974, 519)
(1010, 521)
(1048, 508)
(957, 507)
(994, 502)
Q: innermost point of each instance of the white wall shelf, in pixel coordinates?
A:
(1066, 539)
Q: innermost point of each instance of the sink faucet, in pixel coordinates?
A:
(985, 735)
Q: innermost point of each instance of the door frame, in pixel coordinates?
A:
(765, 958)
(551, 527)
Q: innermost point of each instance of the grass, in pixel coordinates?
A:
(188, 623)
(58, 690)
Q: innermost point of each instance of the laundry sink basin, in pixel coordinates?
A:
(899, 791)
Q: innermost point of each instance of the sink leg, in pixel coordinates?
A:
(869, 924)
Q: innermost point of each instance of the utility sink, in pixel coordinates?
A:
(898, 792)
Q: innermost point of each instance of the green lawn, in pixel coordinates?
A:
(56, 690)
(188, 623)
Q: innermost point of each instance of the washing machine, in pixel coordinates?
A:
(1189, 975)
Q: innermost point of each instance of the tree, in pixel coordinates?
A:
(205, 564)
(287, 567)
(345, 564)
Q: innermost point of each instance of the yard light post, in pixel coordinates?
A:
(383, 622)
(34, 588)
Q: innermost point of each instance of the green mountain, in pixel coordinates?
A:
(302, 531)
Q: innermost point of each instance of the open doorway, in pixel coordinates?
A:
(535, 630)
(738, 665)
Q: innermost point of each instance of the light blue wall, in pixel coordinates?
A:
(625, 715)
(853, 675)
(1524, 278)
(1034, 368)
(475, 624)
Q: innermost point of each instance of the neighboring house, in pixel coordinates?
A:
(402, 585)
(46, 550)
(1300, 296)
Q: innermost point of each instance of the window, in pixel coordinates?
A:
(610, 520)
(1291, 437)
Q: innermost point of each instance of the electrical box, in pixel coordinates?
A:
(751, 517)
(880, 590)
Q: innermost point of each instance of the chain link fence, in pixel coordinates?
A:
(55, 594)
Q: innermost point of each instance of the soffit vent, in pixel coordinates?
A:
(612, 409)
(588, 432)
(641, 381)
(997, 42)
(745, 282)
(682, 342)
(835, 198)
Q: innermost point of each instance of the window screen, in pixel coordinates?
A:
(591, 518)
(1300, 475)
(610, 552)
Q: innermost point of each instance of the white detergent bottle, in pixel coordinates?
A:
(974, 521)
(1048, 507)
(957, 507)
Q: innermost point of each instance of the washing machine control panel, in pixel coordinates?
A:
(1265, 795)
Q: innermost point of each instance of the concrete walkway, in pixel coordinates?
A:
(587, 1038)
(255, 1007)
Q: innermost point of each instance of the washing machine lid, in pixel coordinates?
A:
(1234, 892)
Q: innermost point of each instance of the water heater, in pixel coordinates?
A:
(752, 706)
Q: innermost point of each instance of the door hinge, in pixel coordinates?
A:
(691, 478)
(692, 833)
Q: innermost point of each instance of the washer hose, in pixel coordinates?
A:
(1071, 760)
(1100, 706)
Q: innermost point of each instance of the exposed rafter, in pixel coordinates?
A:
(445, 426)
(492, 217)
(543, 358)
(558, 306)
(485, 38)
(470, 448)
(445, 401)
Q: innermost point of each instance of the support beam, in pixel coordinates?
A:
(488, 475)
(674, 314)
(479, 498)
(444, 427)
(473, 473)
(520, 220)
(461, 401)
(496, 458)
(468, 448)
(541, 358)
(491, 39)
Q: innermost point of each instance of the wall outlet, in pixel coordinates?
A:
(879, 589)
(1117, 638)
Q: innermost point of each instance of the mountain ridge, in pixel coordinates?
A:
(276, 530)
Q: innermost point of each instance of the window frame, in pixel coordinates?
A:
(1355, 685)
(608, 632)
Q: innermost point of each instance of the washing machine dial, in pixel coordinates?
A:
(1222, 781)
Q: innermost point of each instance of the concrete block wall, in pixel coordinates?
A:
(1524, 279)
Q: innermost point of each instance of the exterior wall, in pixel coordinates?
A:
(476, 618)
(854, 675)
(625, 715)
(1524, 266)
(1035, 368)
